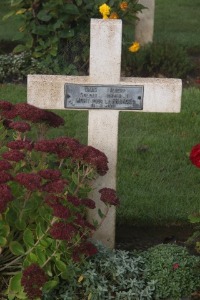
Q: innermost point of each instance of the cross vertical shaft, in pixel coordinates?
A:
(105, 67)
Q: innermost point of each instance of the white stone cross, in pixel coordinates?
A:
(160, 95)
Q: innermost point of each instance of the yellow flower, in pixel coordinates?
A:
(123, 5)
(134, 47)
(104, 10)
(114, 15)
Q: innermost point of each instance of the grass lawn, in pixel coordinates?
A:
(178, 22)
(156, 182)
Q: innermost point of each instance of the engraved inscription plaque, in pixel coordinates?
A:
(120, 97)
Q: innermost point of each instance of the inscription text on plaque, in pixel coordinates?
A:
(103, 97)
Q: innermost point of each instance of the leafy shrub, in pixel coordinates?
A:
(44, 186)
(175, 271)
(111, 274)
(167, 60)
(47, 25)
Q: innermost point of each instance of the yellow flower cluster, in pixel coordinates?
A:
(134, 47)
(104, 9)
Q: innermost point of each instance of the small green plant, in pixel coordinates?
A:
(44, 186)
(111, 274)
(156, 59)
(16, 67)
(175, 271)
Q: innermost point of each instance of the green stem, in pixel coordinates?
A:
(50, 257)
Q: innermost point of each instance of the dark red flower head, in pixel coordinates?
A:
(5, 165)
(50, 174)
(88, 203)
(52, 119)
(195, 155)
(33, 279)
(20, 145)
(56, 186)
(86, 249)
(13, 155)
(61, 211)
(62, 231)
(20, 126)
(93, 156)
(30, 181)
(109, 196)
(5, 105)
(29, 112)
(74, 200)
(4, 176)
(5, 196)
(48, 146)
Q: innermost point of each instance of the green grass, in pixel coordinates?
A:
(178, 22)
(156, 182)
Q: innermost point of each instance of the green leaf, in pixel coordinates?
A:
(19, 48)
(39, 231)
(4, 230)
(40, 255)
(101, 215)
(61, 265)
(28, 237)
(32, 258)
(10, 14)
(67, 34)
(3, 241)
(16, 248)
(79, 2)
(50, 285)
(20, 224)
(44, 16)
(71, 9)
(15, 283)
(75, 178)
(194, 218)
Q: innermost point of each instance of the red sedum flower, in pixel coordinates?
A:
(5, 165)
(30, 181)
(62, 231)
(50, 174)
(13, 155)
(33, 279)
(86, 249)
(109, 196)
(20, 126)
(20, 145)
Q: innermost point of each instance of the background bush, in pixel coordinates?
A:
(159, 60)
(175, 271)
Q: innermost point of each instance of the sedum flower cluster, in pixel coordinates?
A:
(44, 186)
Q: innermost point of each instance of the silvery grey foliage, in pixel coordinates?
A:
(111, 274)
